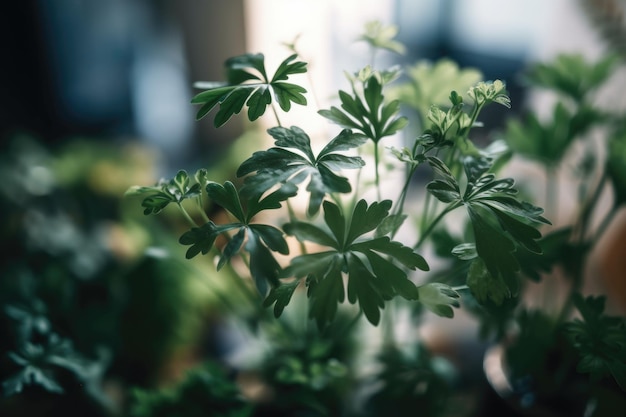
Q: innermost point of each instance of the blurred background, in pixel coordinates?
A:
(124, 70)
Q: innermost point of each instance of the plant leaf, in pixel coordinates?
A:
(292, 160)
(249, 85)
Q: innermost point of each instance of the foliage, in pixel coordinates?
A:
(348, 250)
(204, 388)
(248, 84)
(354, 254)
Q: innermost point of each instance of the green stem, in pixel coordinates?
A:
(434, 223)
(187, 216)
(276, 114)
(376, 161)
(405, 190)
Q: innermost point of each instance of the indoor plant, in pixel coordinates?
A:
(345, 246)
(432, 224)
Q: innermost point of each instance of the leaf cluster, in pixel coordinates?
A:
(174, 190)
(260, 239)
(292, 160)
(373, 265)
(366, 110)
(249, 84)
(206, 387)
(500, 222)
(600, 340)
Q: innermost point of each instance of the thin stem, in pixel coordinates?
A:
(276, 114)
(376, 161)
(187, 216)
(434, 223)
(405, 189)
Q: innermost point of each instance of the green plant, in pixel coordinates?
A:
(350, 251)
(344, 246)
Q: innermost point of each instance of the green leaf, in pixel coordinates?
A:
(380, 36)
(326, 294)
(316, 264)
(465, 251)
(249, 85)
(372, 278)
(306, 231)
(159, 196)
(227, 197)
(444, 191)
(272, 237)
(390, 224)
(549, 141)
(232, 247)
(490, 92)
(293, 161)
(367, 111)
(600, 340)
(493, 246)
(439, 298)
(485, 286)
(365, 219)
(396, 250)
(280, 296)
(46, 364)
(263, 266)
(362, 288)
(430, 83)
(572, 74)
(202, 238)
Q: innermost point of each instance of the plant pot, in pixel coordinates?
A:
(519, 396)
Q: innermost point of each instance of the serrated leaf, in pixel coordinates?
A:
(367, 112)
(272, 237)
(444, 191)
(277, 165)
(271, 201)
(263, 266)
(365, 219)
(391, 279)
(484, 286)
(396, 250)
(227, 197)
(202, 238)
(390, 225)
(382, 36)
(492, 246)
(232, 247)
(280, 296)
(317, 264)
(439, 298)
(372, 278)
(249, 85)
(308, 232)
(361, 288)
(326, 295)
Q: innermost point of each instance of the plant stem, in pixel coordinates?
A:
(405, 189)
(276, 114)
(376, 161)
(187, 216)
(434, 223)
